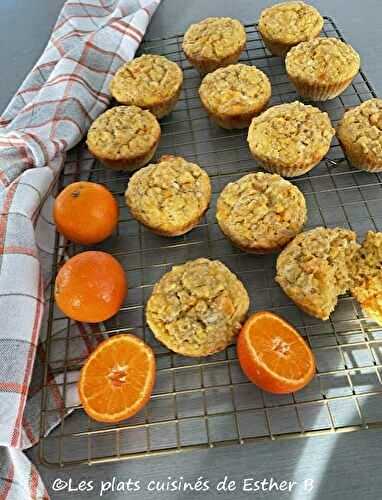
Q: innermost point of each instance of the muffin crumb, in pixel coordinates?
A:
(316, 267)
(367, 274)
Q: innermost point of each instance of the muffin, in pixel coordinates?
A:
(360, 135)
(151, 82)
(232, 96)
(260, 212)
(290, 139)
(124, 137)
(367, 273)
(315, 268)
(213, 43)
(197, 308)
(322, 68)
(286, 24)
(169, 197)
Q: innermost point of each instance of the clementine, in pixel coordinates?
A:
(117, 379)
(85, 213)
(90, 287)
(273, 354)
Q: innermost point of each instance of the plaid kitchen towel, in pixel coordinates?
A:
(66, 90)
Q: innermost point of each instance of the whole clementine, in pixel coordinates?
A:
(90, 287)
(273, 354)
(85, 212)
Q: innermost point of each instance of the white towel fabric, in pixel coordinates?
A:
(66, 90)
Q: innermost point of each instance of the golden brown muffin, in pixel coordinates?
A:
(232, 96)
(290, 139)
(286, 24)
(213, 43)
(151, 82)
(124, 137)
(197, 308)
(322, 68)
(169, 197)
(367, 274)
(315, 268)
(260, 212)
(360, 135)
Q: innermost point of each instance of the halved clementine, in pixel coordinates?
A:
(85, 212)
(273, 354)
(90, 287)
(117, 379)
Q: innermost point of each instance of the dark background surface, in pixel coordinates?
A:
(343, 466)
(25, 26)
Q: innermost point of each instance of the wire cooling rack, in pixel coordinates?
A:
(208, 402)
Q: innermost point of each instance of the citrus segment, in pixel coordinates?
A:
(117, 379)
(273, 354)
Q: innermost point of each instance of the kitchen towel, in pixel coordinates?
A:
(49, 115)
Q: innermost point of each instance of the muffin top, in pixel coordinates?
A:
(146, 81)
(315, 268)
(261, 211)
(326, 60)
(290, 22)
(235, 89)
(197, 308)
(123, 132)
(170, 195)
(367, 274)
(361, 127)
(291, 134)
(214, 38)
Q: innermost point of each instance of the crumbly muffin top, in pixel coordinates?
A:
(197, 308)
(261, 210)
(290, 22)
(235, 89)
(362, 127)
(367, 274)
(315, 268)
(123, 132)
(214, 38)
(146, 81)
(169, 195)
(326, 60)
(290, 134)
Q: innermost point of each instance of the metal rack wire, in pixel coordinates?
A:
(208, 402)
